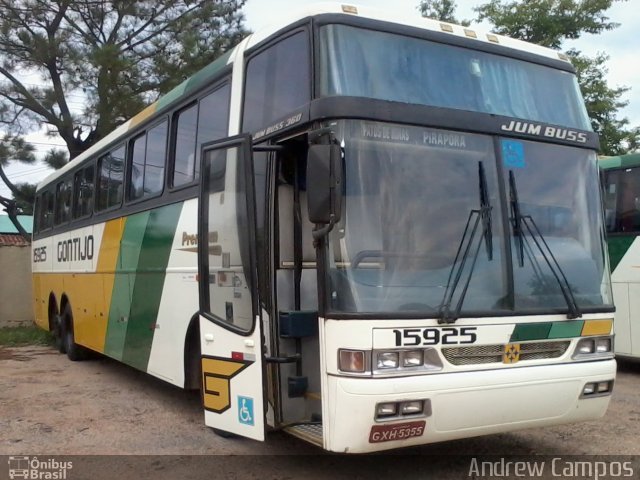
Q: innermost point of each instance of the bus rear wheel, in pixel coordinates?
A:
(58, 334)
(74, 351)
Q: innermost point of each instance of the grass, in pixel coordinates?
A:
(17, 336)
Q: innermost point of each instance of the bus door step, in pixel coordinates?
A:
(309, 432)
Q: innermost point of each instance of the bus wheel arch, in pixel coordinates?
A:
(192, 361)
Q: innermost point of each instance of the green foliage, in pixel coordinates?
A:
(15, 148)
(117, 56)
(443, 10)
(547, 22)
(17, 336)
(603, 103)
(56, 158)
(25, 197)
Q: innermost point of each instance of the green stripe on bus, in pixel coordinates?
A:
(193, 83)
(530, 331)
(618, 246)
(568, 329)
(120, 309)
(149, 282)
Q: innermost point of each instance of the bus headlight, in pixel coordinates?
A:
(411, 408)
(603, 345)
(405, 361)
(597, 389)
(586, 346)
(389, 409)
(593, 347)
(387, 360)
(414, 358)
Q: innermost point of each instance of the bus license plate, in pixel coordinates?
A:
(397, 431)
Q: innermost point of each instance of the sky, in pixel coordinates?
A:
(621, 44)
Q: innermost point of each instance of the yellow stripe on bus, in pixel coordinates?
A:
(597, 327)
(105, 269)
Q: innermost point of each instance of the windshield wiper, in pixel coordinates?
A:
(518, 222)
(485, 211)
(446, 314)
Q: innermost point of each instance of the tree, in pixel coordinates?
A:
(602, 104)
(550, 23)
(25, 197)
(15, 148)
(116, 55)
(443, 10)
(547, 22)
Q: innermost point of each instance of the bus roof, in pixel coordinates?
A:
(208, 73)
(621, 161)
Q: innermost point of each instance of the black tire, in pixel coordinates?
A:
(58, 334)
(224, 433)
(193, 359)
(74, 351)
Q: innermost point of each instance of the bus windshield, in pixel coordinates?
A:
(372, 64)
(410, 194)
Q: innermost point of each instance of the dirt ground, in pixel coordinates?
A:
(49, 405)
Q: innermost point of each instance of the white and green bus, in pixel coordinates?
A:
(621, 185)
(371, 232)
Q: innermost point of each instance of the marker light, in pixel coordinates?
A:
(387, 360)
(351, 361)
(413, 358)
(589, 389)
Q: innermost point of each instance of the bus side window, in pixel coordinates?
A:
(213, 119)
(278, 82)
(147, 162)
(622, 200)
(83, 192)
(46, 211)
(136, 147)
(36, 214)
(185, 145)
(109, 181)
(63, 202)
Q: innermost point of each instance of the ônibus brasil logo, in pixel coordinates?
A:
(34, 469)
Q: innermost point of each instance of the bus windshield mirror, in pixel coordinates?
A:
(526, 223)
(447, 314)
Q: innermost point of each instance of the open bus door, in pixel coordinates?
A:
(230, 323)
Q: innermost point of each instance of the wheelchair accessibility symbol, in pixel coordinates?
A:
(245, 410)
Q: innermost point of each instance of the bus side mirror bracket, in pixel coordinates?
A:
(324, 186)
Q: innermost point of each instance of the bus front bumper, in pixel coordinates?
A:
(461, 404)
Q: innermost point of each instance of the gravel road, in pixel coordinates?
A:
(52, 406)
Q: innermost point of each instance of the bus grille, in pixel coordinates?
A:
(493, 353)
